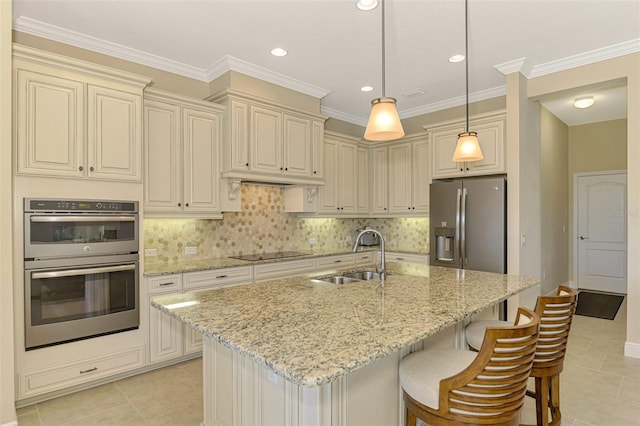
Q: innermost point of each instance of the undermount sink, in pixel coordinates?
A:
(349, 277)
(363, 275)
(338, 279)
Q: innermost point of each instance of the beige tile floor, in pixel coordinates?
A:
(599, 387)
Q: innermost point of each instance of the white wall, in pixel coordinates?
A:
(555, 201)
(624, 67)
(7, 408)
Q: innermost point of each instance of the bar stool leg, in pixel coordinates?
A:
(411, 418)
(555, 399)
(542, 401)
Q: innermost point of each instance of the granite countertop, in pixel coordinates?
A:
(152, 269)
(312, 333)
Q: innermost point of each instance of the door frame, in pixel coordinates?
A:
(574, 235)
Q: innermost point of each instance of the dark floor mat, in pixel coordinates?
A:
(598, 305)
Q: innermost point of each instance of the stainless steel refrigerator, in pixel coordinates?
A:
(468, 223)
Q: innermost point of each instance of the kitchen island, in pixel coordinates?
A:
(298, 351)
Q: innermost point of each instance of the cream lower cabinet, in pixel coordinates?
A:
(169, 338)
(443, 137)
(182, 156)
(84, 122)
(338, 196)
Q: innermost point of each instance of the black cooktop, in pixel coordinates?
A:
(267, 256)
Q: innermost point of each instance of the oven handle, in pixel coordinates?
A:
(75, 272)
(87, 218)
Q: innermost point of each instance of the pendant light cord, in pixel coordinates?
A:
(383, 51)
(466, 55)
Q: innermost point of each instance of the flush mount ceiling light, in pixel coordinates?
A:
(367, 4)
(279, 51)
(583, 102)
(384, 122)
(468, 147)
(366, 88)
(456, 58)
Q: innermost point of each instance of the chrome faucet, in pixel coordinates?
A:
(382, 271)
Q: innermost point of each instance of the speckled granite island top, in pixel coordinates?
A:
(312, 333)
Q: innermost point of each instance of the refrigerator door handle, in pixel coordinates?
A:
(463, 227)
(456, 245)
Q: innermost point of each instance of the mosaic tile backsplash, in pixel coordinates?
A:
(263, 227)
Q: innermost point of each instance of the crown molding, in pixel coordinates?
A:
(230, 63)
(593, 56)
(83, 41)
(454, 102)
(349, 118)
(530, 71)
(520, 65)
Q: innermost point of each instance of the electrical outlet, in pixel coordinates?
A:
(150, 252)
(190, 250)
(313, 241)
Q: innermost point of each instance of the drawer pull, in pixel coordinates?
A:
(164, 284)
(89, 370)
(337, 261)
(399, 258)
(221, 276)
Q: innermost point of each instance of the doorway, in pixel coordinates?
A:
(600, 231)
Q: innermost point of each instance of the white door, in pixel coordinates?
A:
(602, 232)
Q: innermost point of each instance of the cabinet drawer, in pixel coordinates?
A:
(65, 375)
(343, 260)
(283, 269)
(217, 277)
(405, 257)
(363, 258)
(164, 284)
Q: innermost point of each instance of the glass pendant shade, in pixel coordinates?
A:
(467, 148)
(384, 122)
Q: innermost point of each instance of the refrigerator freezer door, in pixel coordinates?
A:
(443, 200)
(485, 225)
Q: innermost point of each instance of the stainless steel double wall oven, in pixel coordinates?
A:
(81, 269)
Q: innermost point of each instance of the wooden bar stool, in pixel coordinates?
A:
(461, 387)
(556, 314)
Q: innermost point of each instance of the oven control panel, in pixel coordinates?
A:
(34, 205)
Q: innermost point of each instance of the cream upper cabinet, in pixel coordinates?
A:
(443, 137)
(362, 180)
(269, 142)
(75, 119)
(401, 177)
(339, 193)
(182, 154)
(379, 199)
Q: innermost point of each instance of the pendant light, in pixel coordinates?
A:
(468, 147)
(384, 122)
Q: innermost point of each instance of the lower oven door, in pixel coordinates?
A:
(66, 302)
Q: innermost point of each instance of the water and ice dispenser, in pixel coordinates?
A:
(445, 239)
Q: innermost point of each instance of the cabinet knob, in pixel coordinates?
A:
(409, 208)
(461, 169)
(91, 168)
(281, 168)
(286, 168)
(246, 164)
(467, 168)
(314, 172)
(80, 168)
(179, 204)
(186, 205)
(413, 208)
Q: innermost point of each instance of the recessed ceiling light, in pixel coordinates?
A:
(456, 58)
(366, 88)
(583, 102)
(279, 51)
(366, 4)
(413, 93)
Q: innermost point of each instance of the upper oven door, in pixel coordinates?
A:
(62, 235)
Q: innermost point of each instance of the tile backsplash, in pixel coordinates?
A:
(262, 227)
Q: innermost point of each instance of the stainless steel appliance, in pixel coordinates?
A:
(468, 223)
(81, 269)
